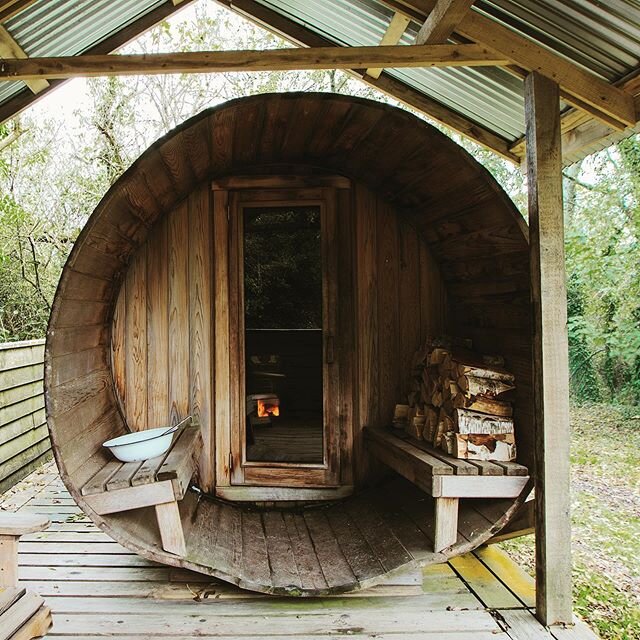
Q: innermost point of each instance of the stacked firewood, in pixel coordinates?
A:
(461, 402)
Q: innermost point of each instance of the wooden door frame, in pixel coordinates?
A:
(237, 478)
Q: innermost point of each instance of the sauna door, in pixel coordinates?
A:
(284, 371)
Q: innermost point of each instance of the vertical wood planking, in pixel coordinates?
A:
(346, 333)
(157, 326)
(118, 345)
(179, 329)
(388, 364)
(366, 323)
(409, 302)
(200, 334)
(136, 341)
(222, 351)
(331, 393)
(550, 351)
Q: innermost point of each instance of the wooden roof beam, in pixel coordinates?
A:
(9, 8)
(436, 55)
(580, 130)
(392, 35)
(442, 21)
(9, 48)
(579, 87)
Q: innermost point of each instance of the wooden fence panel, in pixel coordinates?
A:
(24, 438)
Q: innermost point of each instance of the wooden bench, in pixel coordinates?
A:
(445, 478)
(23, 614)
(159, 482)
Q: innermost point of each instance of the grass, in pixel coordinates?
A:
(605, 497)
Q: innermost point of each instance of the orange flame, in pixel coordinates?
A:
(267, 409)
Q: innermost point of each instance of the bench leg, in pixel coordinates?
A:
(170, 526)
(446, 523)
(8, 561)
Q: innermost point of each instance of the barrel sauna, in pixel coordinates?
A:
(171, 304)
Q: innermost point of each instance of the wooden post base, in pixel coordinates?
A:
(170, 526)
(8, 561)
(446, 532)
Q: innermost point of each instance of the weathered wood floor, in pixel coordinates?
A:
(97, 588)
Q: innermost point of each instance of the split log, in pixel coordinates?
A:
(476, 386)
(483, 405)
(500, 447)
(472, 422)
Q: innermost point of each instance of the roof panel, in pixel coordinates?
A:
(62, 28)
(603, 37)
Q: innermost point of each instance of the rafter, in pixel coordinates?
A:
(442, 21)
(579, 87)
(392, 35)
(436, 55)
(9, 48)
(580, 131)
(9, 8)
(25, 98)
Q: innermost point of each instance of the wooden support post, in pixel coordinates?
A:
(446, 524)
(550, 358)
(170, 526)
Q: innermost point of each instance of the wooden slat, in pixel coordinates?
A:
(157, 285)
(284, 571)
(440, 55)
(124, 499)
(98, 482)
(178, 333)
(122, 477)
(514, 577)
(551, 366)
(136, 343)
(391, 36)
(491, 592)
(200, 330)
(335, 567)
(18, 615)
(309, 570)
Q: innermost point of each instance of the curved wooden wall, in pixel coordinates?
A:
(477, 239)
(164, 328)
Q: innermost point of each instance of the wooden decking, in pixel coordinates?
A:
(97, 588)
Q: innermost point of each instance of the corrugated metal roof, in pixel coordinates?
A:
(603, 37)
(64, 28)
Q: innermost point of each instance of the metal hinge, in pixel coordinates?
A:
(228, 212)
(230, 462)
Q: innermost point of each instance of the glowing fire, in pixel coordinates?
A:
(266, 409)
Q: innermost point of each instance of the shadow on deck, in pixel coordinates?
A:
(97, 588)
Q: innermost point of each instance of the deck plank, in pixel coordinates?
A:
(78, 569)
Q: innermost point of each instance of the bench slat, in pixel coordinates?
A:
(97, 483)
(433, 465)
(460, 467)
(121, 479)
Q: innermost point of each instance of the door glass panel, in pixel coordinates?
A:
(283, 334)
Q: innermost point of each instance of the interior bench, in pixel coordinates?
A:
(159, 482)
(23, 614)
(445, 478)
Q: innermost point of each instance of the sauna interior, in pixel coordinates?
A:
(269, 268)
